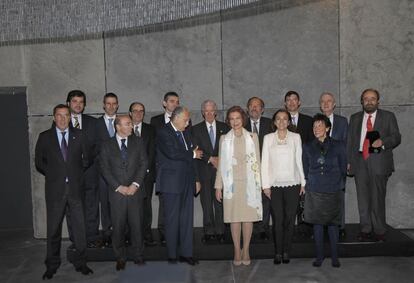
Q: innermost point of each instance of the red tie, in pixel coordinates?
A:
(365, 147)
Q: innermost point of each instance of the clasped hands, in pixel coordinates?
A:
(127, 190)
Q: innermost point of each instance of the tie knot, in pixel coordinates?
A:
(63, 134)
(369, 116)
(123, 141)
(110, 119)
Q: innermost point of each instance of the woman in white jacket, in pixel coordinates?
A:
(283, 180)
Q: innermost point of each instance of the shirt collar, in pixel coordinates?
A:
(212, 124)
(373, 115)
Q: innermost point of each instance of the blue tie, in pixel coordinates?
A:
(111, 129)
(181, 138)
(124, 150)
(211, 134)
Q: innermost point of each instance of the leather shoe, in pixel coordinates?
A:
(285, 258)
(317, 263)
(139, 261)
(277, 259)
(364, 237)
(220, 238)
(84, 269)
(172, 260)
(189, 260)
(48, 274)
(207, 238)
(336, 263)
(380, 238)
(163, 242)
(120, 265)
(342, 234)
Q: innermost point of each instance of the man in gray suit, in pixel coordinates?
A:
(339, 132)
(123, 162)
(373, 134)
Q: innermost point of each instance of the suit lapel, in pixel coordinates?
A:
(378, 121)
(206, 136)
(359, 120)
(55, 143)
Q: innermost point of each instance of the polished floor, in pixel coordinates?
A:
(21, 260)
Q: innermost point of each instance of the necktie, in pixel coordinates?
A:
(294, 121)
(181, 138)
(255, 128)
(77, 125)
(136, 131)
(124, 150)
(111, 129)
(64, 146)
(211, 134)
(365, 147)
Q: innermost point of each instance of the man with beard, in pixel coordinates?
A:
(373, 134)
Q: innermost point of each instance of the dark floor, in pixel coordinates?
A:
(21, 260)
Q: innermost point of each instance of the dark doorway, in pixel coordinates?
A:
(15, 189)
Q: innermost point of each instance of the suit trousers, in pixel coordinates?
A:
(371, 190)
(178, 216)
(212, 209)
(147, 207)
(105, 208)
(284, 202)
(55, 211)
(161, 219)
(126, 211)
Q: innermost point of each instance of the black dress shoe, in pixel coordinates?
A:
(336, 263)
(172, 260)
(48, 274)
(108, 243)
(139, 261)
(263, 236)
(84, 269)
(162, 240)
(220, 238)
(189, 260)
(342, 234)
(277, 259)
(207, 238)
(120, 264)
(285, 258)
(364, 237)
(317, 263)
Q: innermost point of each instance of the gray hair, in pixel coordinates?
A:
(327, 93)
(178, 111)
(208, 101)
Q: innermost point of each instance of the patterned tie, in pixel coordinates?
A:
(365, 147)
(211, 134)
(77, 125)
(124, 150)
(136, 131)
(111, 129)
(64, 146)
(255, 128)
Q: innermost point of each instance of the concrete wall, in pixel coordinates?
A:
(310, 46)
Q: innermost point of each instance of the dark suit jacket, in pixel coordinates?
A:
(175, 165)
(115, 170)
(386, 124)
(326, 177)
(88, 130)
(201, 139)
(148, 139)
(305, 128)
(339, 128)
(101, 135)
(264, 129)
(49, 162)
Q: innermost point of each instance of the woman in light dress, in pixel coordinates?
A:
(238, 182)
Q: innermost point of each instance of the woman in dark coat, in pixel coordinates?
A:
(324, 165)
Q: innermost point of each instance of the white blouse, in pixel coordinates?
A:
(282, 161)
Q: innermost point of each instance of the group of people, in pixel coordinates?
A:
(101, 172)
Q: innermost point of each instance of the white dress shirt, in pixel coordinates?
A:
(257, 125)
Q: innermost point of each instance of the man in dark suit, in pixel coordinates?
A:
(371, 162)
(206, 135)
(123, 163)
(339, 132)
(146, 133)
(176, 181)
(105, 130)
(61, 155)
(261, 126)
(302, 123)
(76, 100)
(170, 101)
